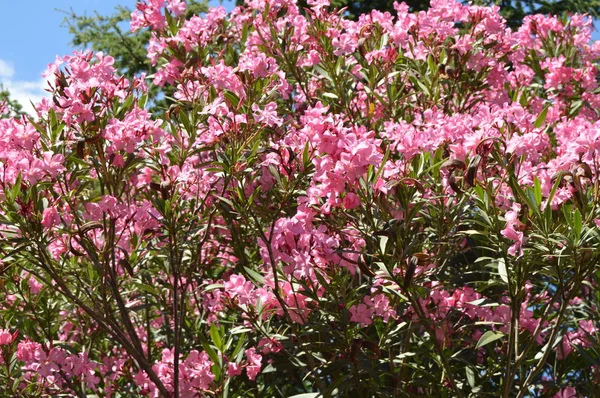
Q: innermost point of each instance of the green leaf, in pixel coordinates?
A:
(215, 335)
(431, 64)
(238, 351)
(185, 120)
(214, 286)
(577, 224)
(537, 191)
(383, 240)
(502, 270)
(212, 354)
(489, 337)
(306, 395)
(416, 82)
(381, 166)
(233, 99)
(548, 208)
(470, 376)
(256, 277)
(330, 95)
(539, 122)
(306, 155)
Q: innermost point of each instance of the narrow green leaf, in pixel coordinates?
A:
(539, 122)
(577, 224)
(238, 351)
(233, 99)
(330, 95)
(537, 191)
(256, 277)
(502, 270)
(214, 286)
(489, 337)
(215, 336)
(383, 240)
(470, 376)
(212, 354)
(306, 155)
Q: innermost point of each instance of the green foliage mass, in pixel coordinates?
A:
(11, 106)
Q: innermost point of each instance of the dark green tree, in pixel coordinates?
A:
(8, 106)
(111, 34)
(515, 10)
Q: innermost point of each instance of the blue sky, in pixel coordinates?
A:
(32, 36)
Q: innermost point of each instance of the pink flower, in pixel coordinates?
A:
(351, 201)
(512, 230)
(197, 370)
(318, 3)
(568, 392)
(148, 14)
(258, 64)
(177, 7)
(361, 314)
(269, 345)
(238, 286)
(268, 115)
(28, 351)
(6, 337)
(510, 233)
(254, 363)
(234, 369)
(564, 349)
(50, 217)
(34, 285)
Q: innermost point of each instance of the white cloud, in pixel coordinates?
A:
(5, 69)
(23, 91)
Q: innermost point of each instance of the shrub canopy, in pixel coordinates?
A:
(402, 205)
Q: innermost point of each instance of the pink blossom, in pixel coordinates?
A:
(234, 369)
(237, 286)
(351, 201)
(269, 345)
(254, 363)
(361, 314)
(568, 392)
(34, 285)
(177, 7)
(268, 115)
(28, 351)
(50, 217)
(512, 230)
(6, 337)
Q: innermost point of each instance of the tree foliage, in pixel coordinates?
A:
(9, 107)
(112, 35)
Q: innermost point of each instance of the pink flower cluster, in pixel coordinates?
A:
(55, 366)
(194, 374)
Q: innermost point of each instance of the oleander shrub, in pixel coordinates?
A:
(403, 205)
